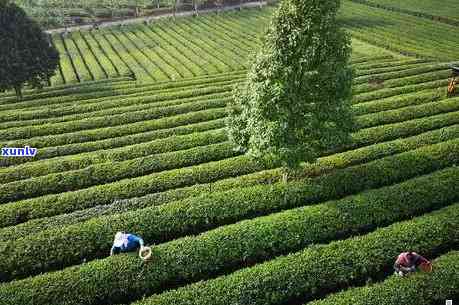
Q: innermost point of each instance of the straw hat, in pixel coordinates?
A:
(426, 267)
(145, 253)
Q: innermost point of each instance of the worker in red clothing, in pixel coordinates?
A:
(407, 262)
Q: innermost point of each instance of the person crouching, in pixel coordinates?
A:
(126, 242)
(407, 262)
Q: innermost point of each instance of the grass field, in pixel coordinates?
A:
(152, 157)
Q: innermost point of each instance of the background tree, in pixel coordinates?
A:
(26, 53)
(295, 102)
(137, 5)
(113, 6)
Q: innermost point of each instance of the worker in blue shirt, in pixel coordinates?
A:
(126, 242)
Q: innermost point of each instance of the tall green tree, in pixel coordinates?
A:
(26, 53)
(295, 102)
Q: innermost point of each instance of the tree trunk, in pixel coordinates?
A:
(175, 7)
(18, 90)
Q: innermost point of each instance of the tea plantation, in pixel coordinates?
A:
(131, 137)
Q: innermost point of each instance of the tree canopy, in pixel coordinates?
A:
(26, 52)
(295, 102)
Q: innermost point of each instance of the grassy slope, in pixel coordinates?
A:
(384, 114)
(401, 32)
(190, 46)
(187, 47)
(402, 135)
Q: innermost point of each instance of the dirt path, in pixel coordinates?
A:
(152, 18)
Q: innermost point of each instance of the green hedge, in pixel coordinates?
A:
(364, 70)
(308, 272)
(365, 121)
(323, 268)
(113, 143)
(99, 96)
(380, 59)
(325, 164)
(69, 245)
(383, 63)
(443, 19)
(96, 104)
(165, 88)
(359, 109)
(50, 205)
(393, 131)
(138, 96)
(112, 120)
(86, 122)
(97, 174)
(217, 56)
(119, 109)
(420, 289)
(104, 173)
(372, 74)
(403, 100)
(230, 53)
(407, 113)
(387, 92)
(116, 131)
(82, 161)
(440, 45)
(174, 143)
(97, 134)
(69, 89)
(64, 98)
(21, 211)
(129, 102)
(409, 80)
(391, 75)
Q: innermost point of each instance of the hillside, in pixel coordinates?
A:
(167, 50)
(151, 156)
(445, 9)
(213, 43)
